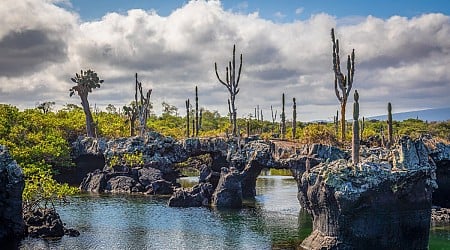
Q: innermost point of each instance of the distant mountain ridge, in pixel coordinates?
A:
(439, 114)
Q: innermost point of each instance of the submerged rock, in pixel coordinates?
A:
(372, 205)
(11, 187)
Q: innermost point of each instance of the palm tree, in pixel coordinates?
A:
(86, 81)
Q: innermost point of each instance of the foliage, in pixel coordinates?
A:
(37, 142)
(128, 159)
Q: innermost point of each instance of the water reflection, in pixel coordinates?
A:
(272, 220)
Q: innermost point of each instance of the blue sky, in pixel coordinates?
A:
(402, 52)
(280, 11)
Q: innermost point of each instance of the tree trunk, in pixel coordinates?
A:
(343, 104)
(89, 120)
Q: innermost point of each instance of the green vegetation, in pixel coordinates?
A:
(40, 140)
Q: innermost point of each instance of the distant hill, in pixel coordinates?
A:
(441, 114)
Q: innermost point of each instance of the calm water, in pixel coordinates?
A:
(274, 220)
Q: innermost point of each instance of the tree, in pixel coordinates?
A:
(231, 83)
(169, 109)
(111, 109)
(86, 81)
(344, 82)
(45, 107)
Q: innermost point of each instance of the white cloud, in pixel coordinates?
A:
(299, 11)
(401, 60)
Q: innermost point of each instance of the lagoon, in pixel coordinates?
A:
(273, 220)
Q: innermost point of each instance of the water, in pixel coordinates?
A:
(273, 220)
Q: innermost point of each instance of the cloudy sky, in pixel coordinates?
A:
(402, 52)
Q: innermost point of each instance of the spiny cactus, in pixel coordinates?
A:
(232, 83)
(294, 118)
(200, 118)
(355, 136)
(344, 82)
(187, 118)
(196, 112)
(143, 105)
(336, 123)
(361, 128)
(283, 119)
(389, 122)
(248, 127)
(274, 118)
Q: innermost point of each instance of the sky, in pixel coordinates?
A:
(402, 52)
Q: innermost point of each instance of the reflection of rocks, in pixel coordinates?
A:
(228, 192)
(372, 205)
(11, 187)
(46, 223)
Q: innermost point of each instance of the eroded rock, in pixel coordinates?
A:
(373, 204)
(11, 187)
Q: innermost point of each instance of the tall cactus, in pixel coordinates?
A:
(389, 122)
(344, 82)
(283, 119)
(187, 118)
(355, 136)
(336, 123)
(362, 127)
(294, 118)
(232, 83)
(196, 112)
(274, 118)
(143, 105)
(200, 119)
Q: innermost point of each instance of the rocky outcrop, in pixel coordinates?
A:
(197, 196)
(373, 205)
(228, 193)
(237, 181)
(128, 180)
(11, 188)
(155, 174)
(46, 223)
(440, 153)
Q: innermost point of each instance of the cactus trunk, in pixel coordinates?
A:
(196, 111)
(389, 122)
(283, 119)
(187, 118)
(355, 136)
(294, 119)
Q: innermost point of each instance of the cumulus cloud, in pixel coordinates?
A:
(404, 61)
